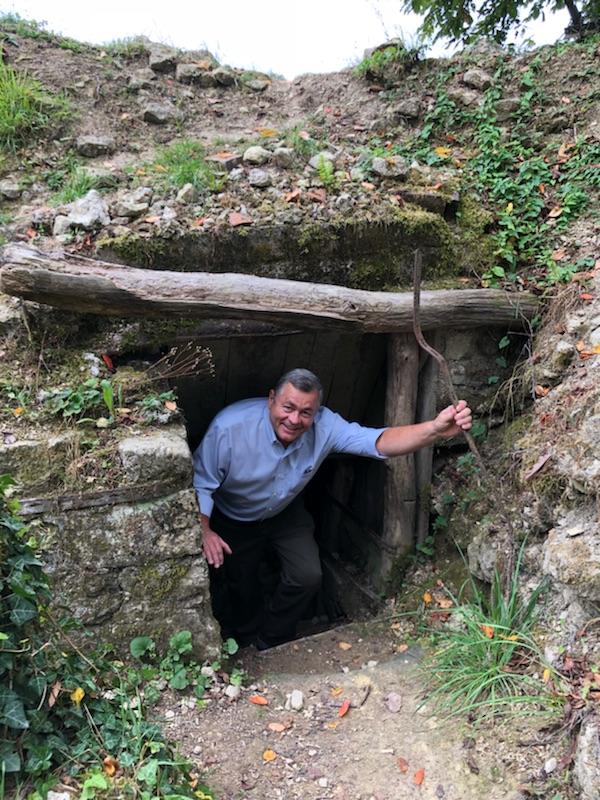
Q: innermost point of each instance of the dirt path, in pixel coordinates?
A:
(320, 754)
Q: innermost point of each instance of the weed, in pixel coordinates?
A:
(129, 47)
(72, 45)
(63, 709)
(302, 142)
(486, 660)
(27, 28)
(25, 108)
(374, 65)
(326, 172)
(184, 162)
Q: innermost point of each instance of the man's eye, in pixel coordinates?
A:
(288, 408)
(307, 414)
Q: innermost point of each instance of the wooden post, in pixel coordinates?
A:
(426, 409)
(400, 484)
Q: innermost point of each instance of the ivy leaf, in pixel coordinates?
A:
(9, 758)
(140, 646)
(22, 610)
(12, 710)
(148, 772)
(179, 679)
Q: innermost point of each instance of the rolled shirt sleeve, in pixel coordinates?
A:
(352, 438)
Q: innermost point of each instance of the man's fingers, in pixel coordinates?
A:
(226, 547)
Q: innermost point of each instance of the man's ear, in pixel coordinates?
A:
(271, 395)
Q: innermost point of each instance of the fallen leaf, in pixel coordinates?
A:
(509, 208)
(258, 700)
(54, 692)
(586, 296)
(344, 645)
(488, 631)
(344, 708)
(402, 648)
(153, 219)
(580, 346)
(427, 598)
(320, 195)
(223, 155)
(108, 362)
(160, 168)
(437, 186)
(442, 152)
(336, 691)
(333, 725)
(559, 254)
(235, 219)
(402, 764)
(538, 465)
(269, 755)
(368, 187)
(541, 391)
(304, 135)
(170, 405)
(18, 411)
(555, 212)
(293, 196)
(267, 133)
(542, 188)
(546, 675)
(419, 777)
(566, 100)
(445, 602)
(31, 234)
(276, 727)
(111, 765)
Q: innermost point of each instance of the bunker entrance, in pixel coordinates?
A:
(345, 497)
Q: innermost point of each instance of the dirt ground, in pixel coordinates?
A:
(386, 746)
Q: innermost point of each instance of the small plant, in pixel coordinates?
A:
(83, 401)
(129, 47)
(302, 142)
(486, 660)
(184, 162)
(326, 172)
(25, 108)
(65, 711)
(374, 65)
(27, 28)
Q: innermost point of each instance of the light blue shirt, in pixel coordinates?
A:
(241, 467)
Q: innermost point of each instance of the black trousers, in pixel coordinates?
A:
(242, 610)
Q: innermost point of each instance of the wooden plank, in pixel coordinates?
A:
(345, 372)
(426, 410)
(400, 486)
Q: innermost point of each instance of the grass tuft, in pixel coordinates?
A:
(25, 108)
(486, 661)
(184, 162)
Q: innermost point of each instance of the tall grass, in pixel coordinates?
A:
(25, 108)
(485, 660)
(184, 162)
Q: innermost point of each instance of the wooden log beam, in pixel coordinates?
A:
(87, 286)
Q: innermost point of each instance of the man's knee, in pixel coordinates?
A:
(308, 577)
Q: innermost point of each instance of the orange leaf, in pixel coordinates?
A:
(108, 362)
(402, 764)
(344, 645)
(559, 254)
(542, 188)
(333, 725)
(586, 296)
(258, 700)
(111, 765)
(541, 391)
(320, 195)
(419, 777)
(344, 708)
(31, 234)
(546, 675)
(293, 196)
(336, 692)
(488, 631)
(18, 411)
(402, 648)
(445, 602)
(427, 598)
(276, 727)
(267, 132)
(235, 219)
(269, 755)
(170, 405)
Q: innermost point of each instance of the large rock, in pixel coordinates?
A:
(257, 155)
(196, 74)
(10, 189)
(38, 464)
(572, 552)
(152, 456)
(162, 58)
(89, 212)
(477, 79)
(132, 570)
(586, 769)
(391, 167)
(161, 113)
(93, 145)
(133, 204)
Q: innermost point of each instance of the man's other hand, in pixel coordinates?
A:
(453, 420)
(214, 547)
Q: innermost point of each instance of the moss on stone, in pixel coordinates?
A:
(474, 247)
(158, 583)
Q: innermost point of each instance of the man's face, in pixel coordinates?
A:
(292, 412)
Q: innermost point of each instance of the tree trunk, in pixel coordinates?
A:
(97, 287)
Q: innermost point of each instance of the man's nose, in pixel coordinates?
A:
(294, 417)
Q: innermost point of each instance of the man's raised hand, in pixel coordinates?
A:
(453, 420)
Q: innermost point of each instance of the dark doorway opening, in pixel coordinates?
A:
(346, 495)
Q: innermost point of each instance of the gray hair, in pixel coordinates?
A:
(302, 379)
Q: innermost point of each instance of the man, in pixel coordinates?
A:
(249, 470)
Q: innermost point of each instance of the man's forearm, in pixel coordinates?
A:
(407, 438)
